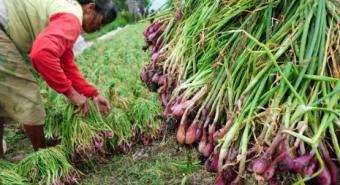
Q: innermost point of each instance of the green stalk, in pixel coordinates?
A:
(273, 60)
(243, 148)
(327, 119)
(304, 36)
(269, 19)
(336, 91)
(321, 78)
(276, 101)
(227, 139)
(287, 26)
(311, 46)
(336, 145)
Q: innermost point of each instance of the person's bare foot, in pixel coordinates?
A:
(17, 158)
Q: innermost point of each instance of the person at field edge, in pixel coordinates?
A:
(47, 30)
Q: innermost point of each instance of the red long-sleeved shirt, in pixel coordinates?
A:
(52, 56)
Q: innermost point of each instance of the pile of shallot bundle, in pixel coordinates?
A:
(255, 84)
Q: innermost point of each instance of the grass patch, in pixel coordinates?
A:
(161, 163)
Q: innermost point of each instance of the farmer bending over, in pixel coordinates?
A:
(47, 30)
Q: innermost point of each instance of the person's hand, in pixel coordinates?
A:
(80, 101)
(103, 104)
